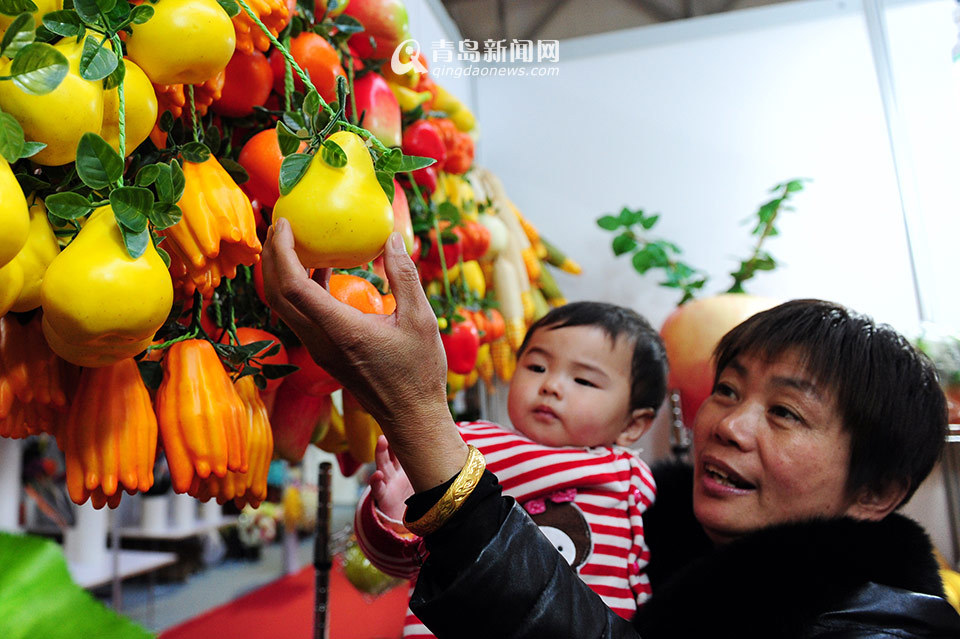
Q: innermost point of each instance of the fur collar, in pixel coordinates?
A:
(778, 579)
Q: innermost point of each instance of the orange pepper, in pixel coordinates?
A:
(200, 415)
(110, 437)
(249, 487)
(216, 233)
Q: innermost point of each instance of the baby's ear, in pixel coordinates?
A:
(641, 419)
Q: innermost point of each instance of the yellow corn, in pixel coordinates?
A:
(504, 359)
(485, 365)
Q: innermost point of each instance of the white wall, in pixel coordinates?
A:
(697, 119)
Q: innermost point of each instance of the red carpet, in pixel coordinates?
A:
(284, 610)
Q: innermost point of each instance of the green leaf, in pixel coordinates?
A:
(658, 255)
(64, 23)
(96, 61)
(276, 371)
(136, 243)
(32, 148)
(118, 14)
(132, 206)
(624, 243)
(386, 183)
(163, 256)
(11, 137)
(39, 599)
(163, 215)
(413, 162)
(230, 6)
(794, 185)
(211, 137)
(16, 7)
(626, 217)
(235, 170)
(292, 169)
(38, 68)
(649, 222)
(141, 14)
(642, 262)
(98, 165)
(287, 140)
(311, 103)
(608, 223)
(389, 162)
(447, 211)
(164, 184)
(348, 24)
(106, 5)
(68, 205)
(177, 179)
(116, 76)
(30, 183)
(333, 155)
(18, 35)
(195, 152)
(166, 122)
(89, 10)
(148, 175)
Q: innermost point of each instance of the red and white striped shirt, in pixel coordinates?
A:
(588, 501)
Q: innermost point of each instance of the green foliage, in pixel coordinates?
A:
(647, 253)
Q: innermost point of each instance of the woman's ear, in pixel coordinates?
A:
(640, 421)
(874, 505)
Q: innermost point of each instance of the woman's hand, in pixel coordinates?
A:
(393, 364)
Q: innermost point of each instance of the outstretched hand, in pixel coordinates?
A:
(393, 364)
(388, 483)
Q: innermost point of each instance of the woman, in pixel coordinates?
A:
(820, 425)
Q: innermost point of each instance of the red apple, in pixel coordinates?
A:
(379, 108)
(401, 216)
(310, 379)
(384, 20)
(691, 333)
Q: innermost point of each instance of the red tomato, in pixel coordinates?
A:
(317, 57)
(452, 251)
(459, 145)
(246, 84)
(422, 138)
(248, 335)
(261, 158)
(310, 379)
(461, 345)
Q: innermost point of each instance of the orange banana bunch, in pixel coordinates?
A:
(249, 487)
(32, 380)
(173, 98)
(273, 13)
(200, 415)
(110, 437)
(216, 233)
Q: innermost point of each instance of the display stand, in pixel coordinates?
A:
(184, 511)
(10, 468)
(321, 553)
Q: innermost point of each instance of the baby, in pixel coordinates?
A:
(589, 379)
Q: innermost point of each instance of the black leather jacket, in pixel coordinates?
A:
(491, 574)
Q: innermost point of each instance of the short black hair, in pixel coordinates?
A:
(887, 392)
(648, 368)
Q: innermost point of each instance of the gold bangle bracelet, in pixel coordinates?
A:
(451, 501)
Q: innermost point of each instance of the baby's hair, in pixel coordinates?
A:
(648, 369)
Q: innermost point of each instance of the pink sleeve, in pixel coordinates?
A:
(386, 543)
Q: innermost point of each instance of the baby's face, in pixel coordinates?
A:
(572, 387)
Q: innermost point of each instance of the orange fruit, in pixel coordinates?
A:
(357, 292)
(389, 303)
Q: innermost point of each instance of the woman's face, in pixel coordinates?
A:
(769, 448)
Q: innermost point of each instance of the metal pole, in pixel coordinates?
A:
(321, 553)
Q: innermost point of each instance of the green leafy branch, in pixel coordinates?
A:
(759, 259)
(649, 253)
